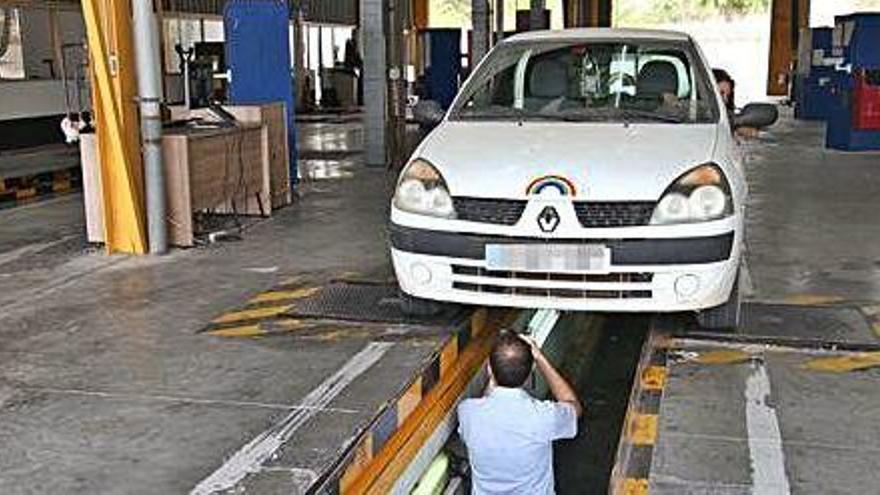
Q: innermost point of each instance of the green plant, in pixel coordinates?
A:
(652, 12)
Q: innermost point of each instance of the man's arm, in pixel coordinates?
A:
(559, 386)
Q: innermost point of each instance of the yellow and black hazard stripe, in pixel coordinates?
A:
(639, 435)
(265, 313)
(16, 191)
(385, 448)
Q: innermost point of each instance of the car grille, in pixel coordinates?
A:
(548, 292)
(610, 278)
(598, 214)
(493, 283)
(497, 211)
(590, 214)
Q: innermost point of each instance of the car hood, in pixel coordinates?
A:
(602, 161)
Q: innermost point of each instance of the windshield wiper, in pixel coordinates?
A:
(586, 115)
(644, 114)
(509, 113)
(492, 112)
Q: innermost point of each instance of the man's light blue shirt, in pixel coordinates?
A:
(509, 435)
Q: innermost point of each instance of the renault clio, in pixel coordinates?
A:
(591, 169)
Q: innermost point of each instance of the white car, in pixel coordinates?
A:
(590, 170)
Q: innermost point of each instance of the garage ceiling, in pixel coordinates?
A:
(323, 11)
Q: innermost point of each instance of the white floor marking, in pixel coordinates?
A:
(250, 458)
(765, 440)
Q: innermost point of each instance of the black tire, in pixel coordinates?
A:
(417, 307)
(725, 317)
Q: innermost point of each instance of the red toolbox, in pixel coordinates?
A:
(866, 101)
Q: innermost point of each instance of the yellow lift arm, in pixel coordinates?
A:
(114, 92)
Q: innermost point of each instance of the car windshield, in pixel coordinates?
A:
(595, 81)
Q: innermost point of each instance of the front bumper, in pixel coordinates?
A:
(646, 275)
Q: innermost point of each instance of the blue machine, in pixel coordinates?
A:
(258, 58)
(854, 123)
(442, 64)
(813, 83)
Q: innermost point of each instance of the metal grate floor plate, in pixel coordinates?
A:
(366, 302)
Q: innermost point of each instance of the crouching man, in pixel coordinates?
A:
(509, 434)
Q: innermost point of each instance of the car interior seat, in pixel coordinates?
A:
(656, 79)
(548, 84)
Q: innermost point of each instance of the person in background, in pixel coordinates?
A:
(727, 89)
(508, 433)
(353, 61)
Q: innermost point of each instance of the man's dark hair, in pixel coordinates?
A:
(511, 360)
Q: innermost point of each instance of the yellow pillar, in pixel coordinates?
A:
(114, 89)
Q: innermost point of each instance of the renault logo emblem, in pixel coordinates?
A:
(548, 220)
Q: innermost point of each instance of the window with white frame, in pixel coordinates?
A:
(183, 32)
(11, 55)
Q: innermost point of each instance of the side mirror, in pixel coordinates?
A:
(756, 115)
(428, 113)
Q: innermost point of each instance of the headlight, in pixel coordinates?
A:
(421, 189)
(700, 195)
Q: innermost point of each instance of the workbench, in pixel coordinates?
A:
(214, 169)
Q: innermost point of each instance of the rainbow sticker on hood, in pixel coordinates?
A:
(564, 186)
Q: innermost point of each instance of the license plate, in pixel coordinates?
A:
(548, 257)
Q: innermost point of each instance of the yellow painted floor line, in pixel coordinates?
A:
(258, 330)
(633, 486)
(812, 299)
(643, 429)
(844, 364)
(284, 295)
(253, 314)
(293, 279)
(722, 356)
(242, 331)
(654, 378)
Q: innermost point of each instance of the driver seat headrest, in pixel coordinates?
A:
(548, 79)
(657, 77)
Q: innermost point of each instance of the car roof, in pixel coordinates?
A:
(599, 33)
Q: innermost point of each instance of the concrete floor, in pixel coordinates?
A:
(742, 420)
(106, 386)
(811, 228)
(763, 410)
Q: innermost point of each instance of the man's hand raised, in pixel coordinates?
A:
(533, 344)
(562, 391)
